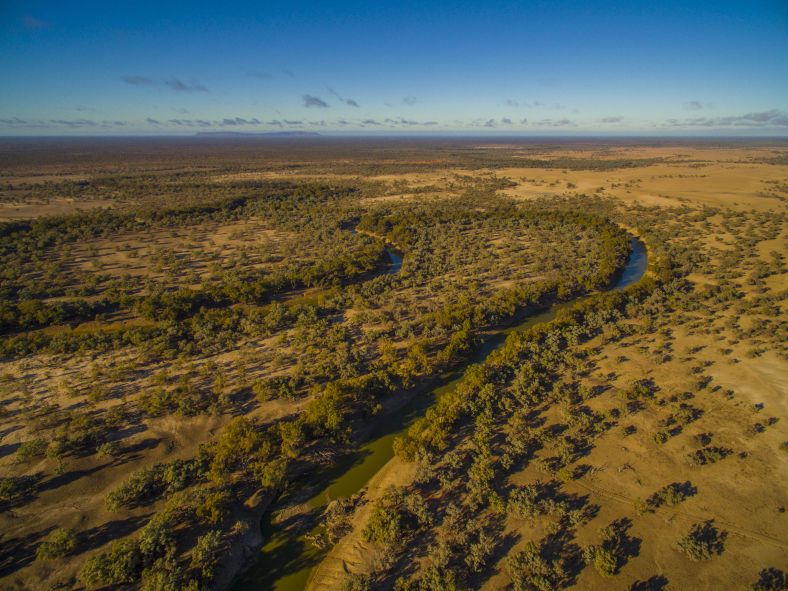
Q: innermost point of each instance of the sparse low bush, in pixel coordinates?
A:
(661, 437)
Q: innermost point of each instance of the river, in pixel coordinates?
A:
(287, 558)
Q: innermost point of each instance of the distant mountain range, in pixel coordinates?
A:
(282, 134)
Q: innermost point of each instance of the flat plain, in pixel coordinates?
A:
(203, 336)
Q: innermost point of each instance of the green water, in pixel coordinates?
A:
(288, 557)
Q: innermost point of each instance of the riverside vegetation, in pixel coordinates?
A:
(189, 353)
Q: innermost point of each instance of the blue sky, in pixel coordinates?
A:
(519, 68)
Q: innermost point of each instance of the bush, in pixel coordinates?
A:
(165, 575)
(109, 449)
(61, 542)
(15, 488)
(156, 539)
(603, 559)
(669, 495)
(214, 506)
(479, 552)
(120, 564)
(530, 571)
(355, 582)
(35, 448)
(205, 556)
(336, 518)
(661, 437)
(535, 499)
(396, 516)
(147, 484)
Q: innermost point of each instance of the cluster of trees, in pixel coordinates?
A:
(150, 559)
(198, 496)
(499, 397)
(344, 385)
(32, 269)
(33, 313)
(469, 440)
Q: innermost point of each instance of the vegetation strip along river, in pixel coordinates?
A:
(288, 557)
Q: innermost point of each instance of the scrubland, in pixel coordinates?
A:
(196, 333)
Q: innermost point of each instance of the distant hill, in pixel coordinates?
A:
(283, 134)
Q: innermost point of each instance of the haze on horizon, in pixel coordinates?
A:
(548, 68)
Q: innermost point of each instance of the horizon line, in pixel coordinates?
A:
(317, 136)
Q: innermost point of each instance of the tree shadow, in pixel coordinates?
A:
(17, 553)
(620, 543)
(69, 477)
(131, 452)
(655, 583)
(502, 548)
(8, 449)
(106, 532)
(24, 488)
(560, 546)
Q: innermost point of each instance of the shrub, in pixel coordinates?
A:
(164, 575)
(603, 560)
(615, 549)
(479, 552)
(147, 484)
(120, 564)
(214, 506)
(671, 495)
(661, 437)
(35, 448)
(109, 449)
(156, 539)
(15, 488)
(61, 542)
(395, 517)
(529, 570)
(336, 517)
(205, 555)
(355, 582)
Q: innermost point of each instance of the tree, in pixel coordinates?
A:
(770, 579)
(702, 541)
(205, 555)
